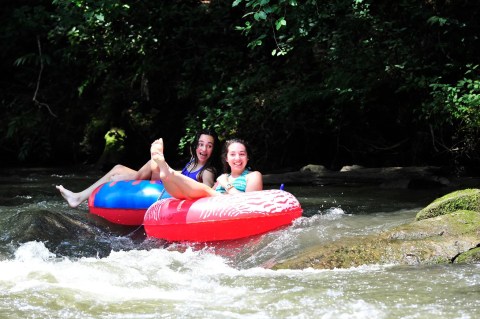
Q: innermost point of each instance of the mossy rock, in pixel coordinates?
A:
(114, 150)
(467, 199)
(469, 257)
(436, 240)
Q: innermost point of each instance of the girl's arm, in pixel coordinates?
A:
(254, 182)
(208, 178)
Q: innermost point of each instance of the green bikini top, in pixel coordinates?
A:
(240, 183)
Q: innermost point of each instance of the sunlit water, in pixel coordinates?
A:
(58, 262)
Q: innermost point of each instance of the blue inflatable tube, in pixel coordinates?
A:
(125, 202)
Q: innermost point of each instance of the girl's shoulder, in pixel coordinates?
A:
(254, 181)
(254, 174)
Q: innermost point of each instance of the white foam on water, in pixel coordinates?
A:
(33, 251)
(190, 284)
(334, 211)
(121, 276)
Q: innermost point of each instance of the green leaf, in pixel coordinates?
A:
(100, 17)
(280, 22)
(437, 20)
(260, 15)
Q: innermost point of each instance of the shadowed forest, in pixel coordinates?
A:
(372, 83)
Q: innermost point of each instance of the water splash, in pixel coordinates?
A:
(198, 283)
(33, 251)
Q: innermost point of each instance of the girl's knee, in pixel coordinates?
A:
(118, 168)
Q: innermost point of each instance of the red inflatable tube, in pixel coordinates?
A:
(223, 217)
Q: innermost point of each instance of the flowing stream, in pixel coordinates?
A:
(59, 262)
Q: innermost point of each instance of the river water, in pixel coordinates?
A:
(58, 262)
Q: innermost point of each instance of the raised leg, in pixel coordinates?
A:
(177, 185)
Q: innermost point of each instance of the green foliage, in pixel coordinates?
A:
(19, 130)
(271, 15)
(458, 105)
(27, 127)
(325, 82)
(379, 63)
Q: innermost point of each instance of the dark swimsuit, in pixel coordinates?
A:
(192, 175)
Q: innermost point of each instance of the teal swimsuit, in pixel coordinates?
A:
(240, 183)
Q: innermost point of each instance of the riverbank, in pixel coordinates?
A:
(414, 177)
(418, 177)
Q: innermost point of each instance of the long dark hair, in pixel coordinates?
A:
(226, 167)
(211, 162)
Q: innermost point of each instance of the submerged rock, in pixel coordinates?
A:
(44, 225)
(61, 233)
(451, 233)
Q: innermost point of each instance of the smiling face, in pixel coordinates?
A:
(204, 148)
(237, 158)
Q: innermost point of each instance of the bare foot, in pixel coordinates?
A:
(156, 151)
(157, 157)
(73, 199)
(157, 147)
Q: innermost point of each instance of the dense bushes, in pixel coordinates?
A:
(333, 83)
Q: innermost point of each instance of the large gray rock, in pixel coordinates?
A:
(431, 241)
(446, 231)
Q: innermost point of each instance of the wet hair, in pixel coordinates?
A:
(226, 167)
(210, 164)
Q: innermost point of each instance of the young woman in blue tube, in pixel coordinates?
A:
(200, 169)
